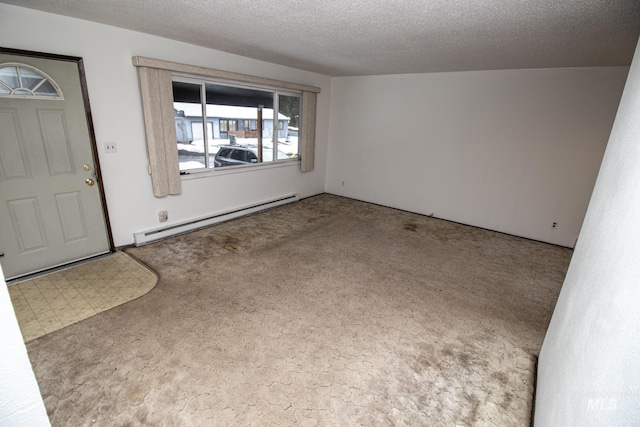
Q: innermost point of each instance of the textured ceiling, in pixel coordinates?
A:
(359, 37)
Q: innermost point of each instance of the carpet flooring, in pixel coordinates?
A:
(325, 312)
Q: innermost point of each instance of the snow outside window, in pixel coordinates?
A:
(211, 115)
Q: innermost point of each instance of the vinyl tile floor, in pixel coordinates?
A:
(56, 300)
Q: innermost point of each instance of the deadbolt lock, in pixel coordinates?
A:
(86, 167)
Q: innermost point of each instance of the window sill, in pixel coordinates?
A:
(228, 170)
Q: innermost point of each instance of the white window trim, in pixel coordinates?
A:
(228, 170)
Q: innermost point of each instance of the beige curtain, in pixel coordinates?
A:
(159, 122)
(308, 137)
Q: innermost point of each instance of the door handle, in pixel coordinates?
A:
(89, 181)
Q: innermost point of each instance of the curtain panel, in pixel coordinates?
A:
(159, 122)
(308, 138)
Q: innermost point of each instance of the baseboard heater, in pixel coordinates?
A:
(149, 236)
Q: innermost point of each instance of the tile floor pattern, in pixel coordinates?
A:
(51, 302)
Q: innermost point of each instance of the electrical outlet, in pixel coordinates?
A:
(163, 216)
(554, 225)
(110, 147)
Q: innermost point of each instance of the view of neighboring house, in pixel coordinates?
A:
(223, 120)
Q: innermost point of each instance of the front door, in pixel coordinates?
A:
(51, 210)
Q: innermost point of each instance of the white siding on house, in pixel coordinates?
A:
(215, 112)
(226, 111)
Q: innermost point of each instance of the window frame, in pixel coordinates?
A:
(276, 93)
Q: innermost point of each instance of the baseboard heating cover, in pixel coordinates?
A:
(149, 236)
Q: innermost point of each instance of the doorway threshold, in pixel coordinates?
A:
(24, 277)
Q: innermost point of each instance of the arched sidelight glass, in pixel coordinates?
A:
(25, 81)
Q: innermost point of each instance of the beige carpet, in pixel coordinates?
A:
(59, 299)
(326, 312)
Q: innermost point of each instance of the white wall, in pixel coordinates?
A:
(117, 116)
(512, 151)
(589, 366)
(20, 400)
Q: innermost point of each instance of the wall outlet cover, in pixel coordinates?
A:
(110, 147)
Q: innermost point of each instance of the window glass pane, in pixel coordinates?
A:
(235, 111)
(190, 129)
(224, 152)
(288, 126)
(9, 75)
(30, 79)
(46, 89)
(238, 155)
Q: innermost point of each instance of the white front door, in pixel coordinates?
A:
(51, 209)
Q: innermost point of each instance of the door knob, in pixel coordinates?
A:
(89, 181)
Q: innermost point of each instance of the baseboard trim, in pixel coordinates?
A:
(149, 236)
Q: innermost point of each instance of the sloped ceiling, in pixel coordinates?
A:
(365, 37)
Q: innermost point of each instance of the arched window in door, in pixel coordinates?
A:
(24, 81)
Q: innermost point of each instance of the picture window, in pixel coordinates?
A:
(232, 114)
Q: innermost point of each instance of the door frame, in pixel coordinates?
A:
(92, 137)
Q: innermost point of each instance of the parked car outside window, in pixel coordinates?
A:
(234, 155)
